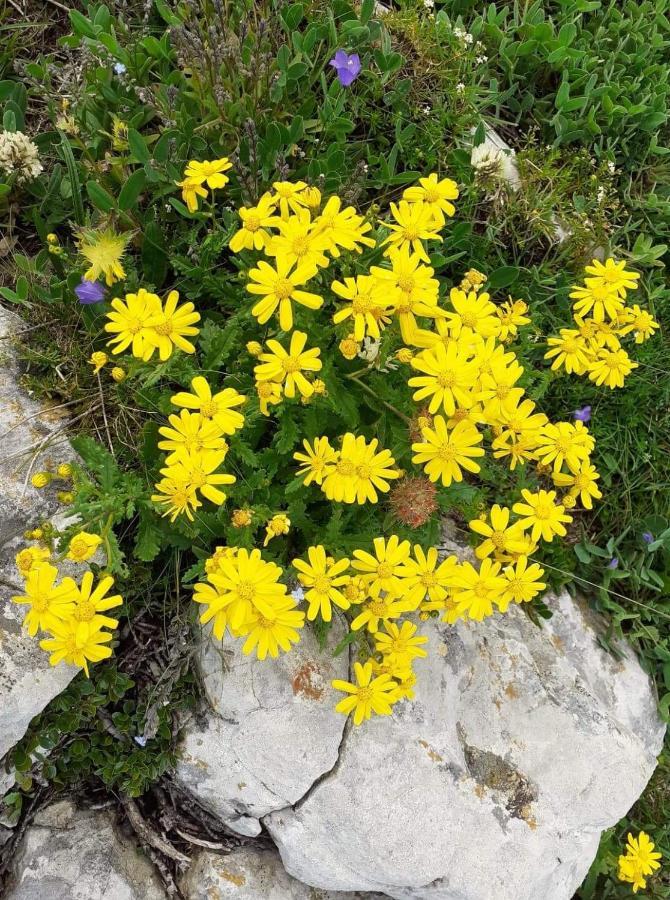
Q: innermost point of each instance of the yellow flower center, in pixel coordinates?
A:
(446, 453)
(384, 570)
(40, 603)
(543, 511)
(582, 482)
(252, 223)
(469, 320)
(346, 468)
(480, 590)
(502, 390)
(364, 471)
(361, 304)
(446, 379)
(246, 591)
(134, 325)
(291, 364)
(428, 579)
(364, 694)
(209, 409)
(84, 612)
(432, 195)
(300, 246)
(411, 234)
(563, 445)
(165, 328)
(498, 539)
(378, 607)
(570, 345)
(180, 498)
(406, 283)
(264, 390)
(322, 584)
(283, 288)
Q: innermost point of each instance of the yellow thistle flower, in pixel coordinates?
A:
(104, 251)
(41, 479)
(64, 470)
(65, 497)
(404, 355)
(254, 348)
(118, 374)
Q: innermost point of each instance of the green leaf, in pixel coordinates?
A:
(81, 24)
(138, 146)
(73, 175)
(292, 16)
(147, 543)
(503, 277)
(132, 189)
(154, 254)
(99, 197)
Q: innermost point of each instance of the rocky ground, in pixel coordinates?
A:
(524, 742)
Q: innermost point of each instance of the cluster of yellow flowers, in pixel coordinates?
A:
(71, 615)
(593, 348)
(195, 439)
(145, 325)
(638, 862)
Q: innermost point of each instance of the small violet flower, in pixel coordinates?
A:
(583, 414)
(348, 67)
(648, 537)
(119, 68)
(89, 291)
(613, 563)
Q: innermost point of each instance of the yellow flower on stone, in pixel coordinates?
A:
(76, 643)
(500, 538)
(274, 630)
(385, 570)
(217, 607)
(400, 645)
(169, 327)
(48, 602)
(279, 288)
(314, 461)
(436, 194)
(189, 433)
(639, 861)
(31, 558)
(478, 590)
(427, 577)
(522, 583)
(90, 603)
(128, 322)
(256, 220)
(611, 367)
(41, 479)
(612, 274)
(247, 582)
(286, 367)
(82, 546)
(444, 452)
(542, 515)
(98, 360)
(322, 579)
(414, 223)
(104, 251)
(367, 696)
(218, 408)
(276, 526)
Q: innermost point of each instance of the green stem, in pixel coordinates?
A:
(390, 406)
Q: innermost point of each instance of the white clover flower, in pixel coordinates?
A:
(487, 158)
(429, 4)
(19, 156)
